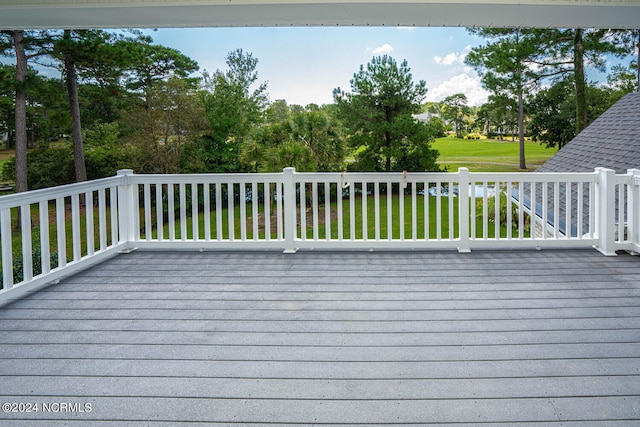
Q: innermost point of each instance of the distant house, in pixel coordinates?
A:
(612, 141)
(425, 117)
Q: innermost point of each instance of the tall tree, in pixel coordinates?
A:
(553, 115)
(6, 101)
(484, 119)
(103, 78)
(20, 111)
(502, 111)
(73, 48)
(636, 39)
(105, 59)
(580, 79)
(277, 111)
(69, 52)
(152, 63)
(621, 81)
(25, 45)
(235, 103)
(566, 51)
(378, 113)
(173, 118)
(505, 65)
(636, 36)
(628, 42)
(454, 109)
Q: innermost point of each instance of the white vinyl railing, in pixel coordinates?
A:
(204, 211)
(46, 234)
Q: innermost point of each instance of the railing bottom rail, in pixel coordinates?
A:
(41, 281)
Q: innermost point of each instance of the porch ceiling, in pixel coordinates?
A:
(18, 14)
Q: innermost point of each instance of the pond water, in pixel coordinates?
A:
(477, 191)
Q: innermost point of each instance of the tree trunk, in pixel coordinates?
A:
(387, 141)
(579, 78)
(387, 164)
(20, 112)
(523, 164)
(74, 108)
(638, 58)
(32, 140)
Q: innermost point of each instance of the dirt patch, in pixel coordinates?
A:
(273, 218)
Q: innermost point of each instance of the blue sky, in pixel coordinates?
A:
(304, 64)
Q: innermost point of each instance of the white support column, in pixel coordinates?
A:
(463, 209)
(289, 196)
(606, 211)
(125, 210)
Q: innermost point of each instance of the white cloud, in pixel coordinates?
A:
(462, 83)
(453, 57)
(385, 48)
(447, 60)
(406, 28)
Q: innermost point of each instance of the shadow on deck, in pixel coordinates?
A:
(187, 338)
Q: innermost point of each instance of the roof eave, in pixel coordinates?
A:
(157, 14)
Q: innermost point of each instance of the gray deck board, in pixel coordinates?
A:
(318, 338)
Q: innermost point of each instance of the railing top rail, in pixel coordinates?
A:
(205, 178)
(35, 196)
(375, 176)
(448, 176)
(631, 177)
(534, 176)
(14, 200)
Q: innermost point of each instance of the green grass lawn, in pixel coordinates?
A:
(489, 155)
(425, 211)
(5, 155)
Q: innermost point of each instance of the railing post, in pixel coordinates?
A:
(606, 211)
(289, 196)
(7, 250)
(463, 210)
(633, 206)
(125, 210)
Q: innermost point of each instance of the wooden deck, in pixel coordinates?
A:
(353, 338)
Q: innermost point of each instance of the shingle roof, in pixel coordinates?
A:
(611, 141)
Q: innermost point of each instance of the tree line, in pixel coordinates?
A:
(124, 102)
(516, 62)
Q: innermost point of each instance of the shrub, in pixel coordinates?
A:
(103, 161)
(491, 208)
(49, 166)
(46, 167)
